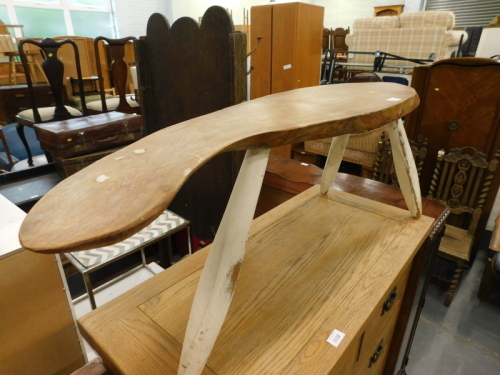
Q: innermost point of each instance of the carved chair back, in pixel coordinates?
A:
(462, 180)
(118, 72)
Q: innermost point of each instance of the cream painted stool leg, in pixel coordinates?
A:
(405, 167)
(335, 154)
(218, 279)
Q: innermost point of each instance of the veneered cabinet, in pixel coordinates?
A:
(459, 106)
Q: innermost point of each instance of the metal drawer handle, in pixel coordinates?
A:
(376, 355)
(389, 302)
(20, 96)
(453, 125)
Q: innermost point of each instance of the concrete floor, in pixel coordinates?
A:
(463, 339)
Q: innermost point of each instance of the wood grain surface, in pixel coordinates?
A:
(117, 196)
(305, 274)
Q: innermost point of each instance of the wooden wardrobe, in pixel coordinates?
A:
(289, 54)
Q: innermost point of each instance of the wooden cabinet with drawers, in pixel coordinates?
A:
(14, 99)
(296, 286)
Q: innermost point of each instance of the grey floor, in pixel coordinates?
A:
(463, 339)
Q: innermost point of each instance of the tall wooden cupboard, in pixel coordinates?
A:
(289, 54)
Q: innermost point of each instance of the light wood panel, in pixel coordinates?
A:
(304, 275)
(288, 117)
(36, 325)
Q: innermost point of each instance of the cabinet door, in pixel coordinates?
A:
(307, 68)
(459, 107)
(283, 47)
(261, 18)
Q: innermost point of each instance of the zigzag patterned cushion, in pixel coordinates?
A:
(165, 224)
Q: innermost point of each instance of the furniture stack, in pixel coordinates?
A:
(324, 264)
(78, 142)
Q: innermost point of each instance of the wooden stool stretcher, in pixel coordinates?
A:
(135, 184)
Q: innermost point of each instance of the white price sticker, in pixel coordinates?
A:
(336, 338)
(287, 66)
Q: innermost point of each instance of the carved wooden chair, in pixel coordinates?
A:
(53, 68)
(119, 74)
(384, 164)
(461, 181)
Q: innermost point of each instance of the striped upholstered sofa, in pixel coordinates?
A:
(410, 35)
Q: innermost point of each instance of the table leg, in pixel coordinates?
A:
(218, 279)
(405, 167)
(90, 292)
(20, 132)
(337, 149)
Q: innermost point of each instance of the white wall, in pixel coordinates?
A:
(342, 13)
(132, 16)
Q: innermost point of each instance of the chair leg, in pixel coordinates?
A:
(20, 132)
(487, 280)
(6, 147)
(12, 71)
(454, 284)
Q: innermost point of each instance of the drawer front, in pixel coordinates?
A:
(15, 101)
(383, 315)
(373, 361)
(386, 312)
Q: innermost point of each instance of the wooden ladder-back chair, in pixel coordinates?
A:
(118, 74)
(384, 164)
(461, 181)
(53, 68)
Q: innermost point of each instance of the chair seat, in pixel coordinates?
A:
(456, 243)
(112, 104)
(46, 113)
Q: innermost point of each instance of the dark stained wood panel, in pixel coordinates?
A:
(185, 71)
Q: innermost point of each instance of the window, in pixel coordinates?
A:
(468, 12)
(50, 18)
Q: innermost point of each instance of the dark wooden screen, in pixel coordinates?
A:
(187, 70)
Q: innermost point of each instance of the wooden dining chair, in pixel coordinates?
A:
(461, 181)
(53, 68)
(118, 73)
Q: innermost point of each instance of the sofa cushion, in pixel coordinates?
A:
(427, 19)
(388, 22)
